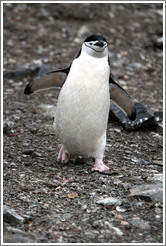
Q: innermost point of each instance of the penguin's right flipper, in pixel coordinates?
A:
(121, 98)
(51, 79)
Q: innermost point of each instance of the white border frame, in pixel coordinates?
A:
(3, 2)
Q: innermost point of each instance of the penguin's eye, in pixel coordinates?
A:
(90, 43)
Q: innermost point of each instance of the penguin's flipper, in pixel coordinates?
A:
(121, 98)
(51, 79)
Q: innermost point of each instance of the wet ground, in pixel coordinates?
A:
(57, 203)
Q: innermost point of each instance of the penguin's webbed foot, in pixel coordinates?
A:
(99, 166)
(63, 156)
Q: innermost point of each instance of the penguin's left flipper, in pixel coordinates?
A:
(121, 98)
(51, 79)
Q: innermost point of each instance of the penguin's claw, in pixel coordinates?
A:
(63, 156)
(99, 166)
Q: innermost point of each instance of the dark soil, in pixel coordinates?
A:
(59, 201)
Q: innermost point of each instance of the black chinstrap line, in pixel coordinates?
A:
(96, 50)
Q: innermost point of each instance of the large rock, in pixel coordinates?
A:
(10, 216)
(149, 192)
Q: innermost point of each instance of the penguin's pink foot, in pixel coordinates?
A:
(99, 166)
(63, 156)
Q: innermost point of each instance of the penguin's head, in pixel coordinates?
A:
(96, 46)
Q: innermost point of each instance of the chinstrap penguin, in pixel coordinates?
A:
(84, 101)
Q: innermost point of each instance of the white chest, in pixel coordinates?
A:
(83, 105)
(85, 80)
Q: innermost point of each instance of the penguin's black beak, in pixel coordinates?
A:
(99, 43)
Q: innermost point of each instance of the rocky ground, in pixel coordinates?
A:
(47, 202)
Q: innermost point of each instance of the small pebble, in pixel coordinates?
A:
(118, 216)
(27, 151)
(109, 201)
(123, 222)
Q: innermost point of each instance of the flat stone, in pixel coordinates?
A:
(27, 151)
(158, 162)
(10, 216)
(109, 201)
(149, 192)
(157, 177)
(137, 161)
(136, 65)
(65, 217)
(115, 230)
(17, 239)
(97, 224)
(141, 224)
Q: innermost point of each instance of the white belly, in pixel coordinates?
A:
(82, 110)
